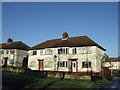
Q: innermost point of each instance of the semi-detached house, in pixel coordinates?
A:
(67, 54)
(112, 63)
(13, 53)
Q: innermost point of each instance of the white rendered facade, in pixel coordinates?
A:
(12, 57)
(69, 60)
(113, 65)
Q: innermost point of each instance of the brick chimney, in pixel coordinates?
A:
(65, 35)
(9, 40)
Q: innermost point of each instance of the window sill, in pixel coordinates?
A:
(86, 67)
(85, 53)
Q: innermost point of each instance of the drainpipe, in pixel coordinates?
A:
(55, 64)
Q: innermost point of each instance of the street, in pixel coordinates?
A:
(115, 83)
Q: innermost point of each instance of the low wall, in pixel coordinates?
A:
(61, 75)
(14, 69)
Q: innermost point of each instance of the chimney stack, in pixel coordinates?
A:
(9, 40)
(65, 35)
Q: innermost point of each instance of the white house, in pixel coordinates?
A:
(13, 53)
(112, 63)
(67, 54)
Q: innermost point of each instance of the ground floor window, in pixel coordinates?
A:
(48, 64)
(32, 64)
(1, 61)
(11, 61)
(86, 64)
(62, 63)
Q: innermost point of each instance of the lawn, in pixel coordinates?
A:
(64, 83)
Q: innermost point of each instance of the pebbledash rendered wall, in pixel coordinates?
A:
(50, 62)
(15, 59)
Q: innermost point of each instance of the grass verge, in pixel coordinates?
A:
(64, 83)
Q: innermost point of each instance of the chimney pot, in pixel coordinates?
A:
(9, 40)
(65, 35)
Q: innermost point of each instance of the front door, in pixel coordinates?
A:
(5, 62)
(73, 66)
(40, 65)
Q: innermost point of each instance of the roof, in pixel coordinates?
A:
(111, 59)
(14, 45)
(69, 42)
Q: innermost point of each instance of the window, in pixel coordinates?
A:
(11, 61)
(74, 51)
(66, 64)
(34, 52)
(1, 51)
(41, 52)
(86, 64)
(63, 50)
(86, 50)
(12, 51)
(58, 64)
(7, 51)
(48, 64)
(62, 64)
(48, 52)
(32, 64)
(1, 62)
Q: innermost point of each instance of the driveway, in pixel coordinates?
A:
(115, 83)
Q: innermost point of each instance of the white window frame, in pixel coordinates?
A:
(32, 64)
(74, 50)
(7, 51)
(63, 50)
(12, 51)
(48, 64)
(2, 51)
(48, 52)
(34, 53)
(41, 52)
(86, 50)
(60, 64)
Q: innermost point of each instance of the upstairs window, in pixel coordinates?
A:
(86, 64)
(34, 53)
(12, 51)
(1, 51)
(48, 52)
(63, 51)
(74, 51)
(41, 52)
(86, 50)
(7, 51)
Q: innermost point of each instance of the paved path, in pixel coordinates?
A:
(115, 83)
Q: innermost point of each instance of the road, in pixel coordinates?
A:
(115, 83)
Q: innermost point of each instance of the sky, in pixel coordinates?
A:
(36, 22)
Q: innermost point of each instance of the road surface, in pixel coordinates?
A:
(115, 83)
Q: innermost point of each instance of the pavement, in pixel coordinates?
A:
(115, 83)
